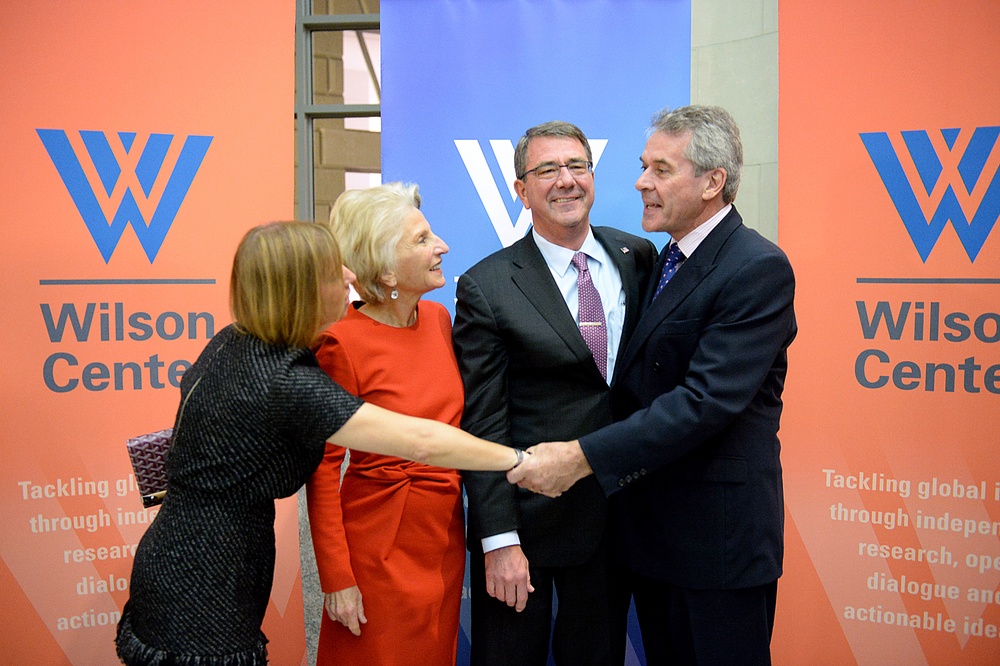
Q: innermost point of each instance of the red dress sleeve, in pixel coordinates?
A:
(326, 520)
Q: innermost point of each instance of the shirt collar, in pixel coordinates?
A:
(690, 242)
(559, 258)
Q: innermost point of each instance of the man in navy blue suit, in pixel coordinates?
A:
(692, 464)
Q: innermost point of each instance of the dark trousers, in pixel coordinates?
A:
(580, 633)
(696, 627)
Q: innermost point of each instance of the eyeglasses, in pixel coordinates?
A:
(577, 169)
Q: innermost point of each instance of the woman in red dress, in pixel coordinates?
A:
(257, 414)
(389, 533)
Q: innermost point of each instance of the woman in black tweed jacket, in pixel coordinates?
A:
(255, 414)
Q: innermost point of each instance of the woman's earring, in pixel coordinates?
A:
(394, 294)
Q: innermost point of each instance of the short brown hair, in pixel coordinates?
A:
(275, 289)
(553, 128)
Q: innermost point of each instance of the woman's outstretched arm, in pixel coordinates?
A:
(377, 430)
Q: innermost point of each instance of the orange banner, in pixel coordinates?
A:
(888, 207)
(140, 141)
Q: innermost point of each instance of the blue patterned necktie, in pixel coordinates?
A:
(673, 260)
(593, 328)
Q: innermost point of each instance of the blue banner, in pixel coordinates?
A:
(462, 80)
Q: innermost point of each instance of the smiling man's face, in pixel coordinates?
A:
(560, 208)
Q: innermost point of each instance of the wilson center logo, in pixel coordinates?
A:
(507, 230)
(130, 173)
(953, 174)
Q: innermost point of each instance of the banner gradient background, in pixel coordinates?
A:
(476, 75)
(110, 67)
(847, 69)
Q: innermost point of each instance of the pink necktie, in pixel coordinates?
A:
(592, 324)
(673, 259)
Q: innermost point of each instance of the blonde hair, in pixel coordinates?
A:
(368, 225)
(275, 291)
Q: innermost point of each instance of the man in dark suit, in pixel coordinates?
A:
(698, 520)
(530, 376)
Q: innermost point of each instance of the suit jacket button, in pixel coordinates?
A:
(642, 472)
(656, 366)
(621, 483)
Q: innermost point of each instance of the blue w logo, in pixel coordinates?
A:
(147, 167)
(930, 164)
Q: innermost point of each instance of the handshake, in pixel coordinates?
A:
(551, 468)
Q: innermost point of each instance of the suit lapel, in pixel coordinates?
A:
(623, 257)
(688, 277)
(531, 275)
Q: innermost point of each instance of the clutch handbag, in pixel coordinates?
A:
(148, 454)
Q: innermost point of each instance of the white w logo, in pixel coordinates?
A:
(507, 231)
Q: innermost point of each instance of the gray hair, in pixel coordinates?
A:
(556, 128)
(715, 141)
(368, 225)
